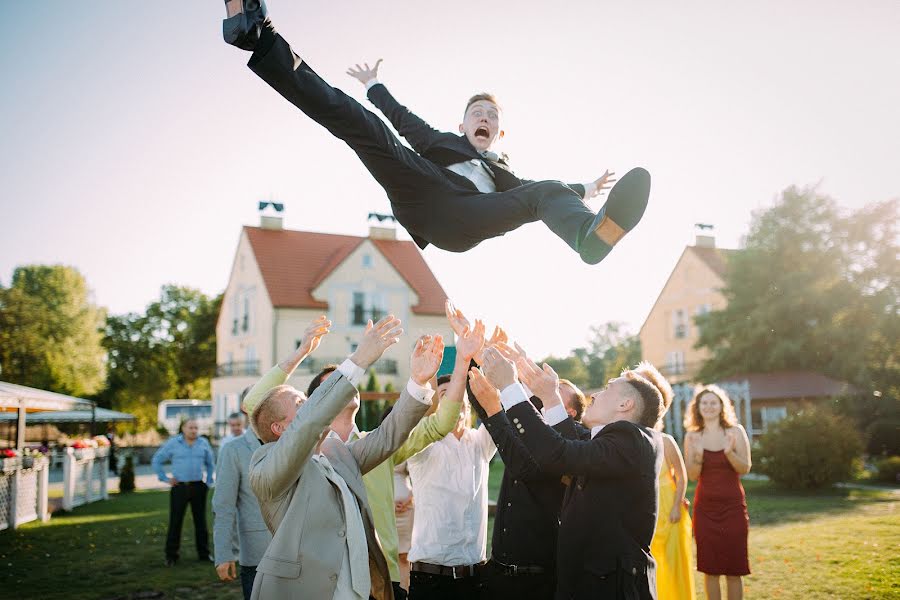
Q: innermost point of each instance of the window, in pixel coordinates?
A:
(703, 309)
(365, 307)
(679, 324)
(367, 261)
(675, 362)
(773, 414)
(245, 325)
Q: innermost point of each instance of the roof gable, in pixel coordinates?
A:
(294, 263)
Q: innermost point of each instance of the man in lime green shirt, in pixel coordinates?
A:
(379, 481)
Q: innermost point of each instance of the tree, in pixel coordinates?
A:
(167, 352)
(610, 350)
(50, 331)
(814, 289)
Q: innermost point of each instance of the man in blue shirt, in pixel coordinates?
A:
(191, 456)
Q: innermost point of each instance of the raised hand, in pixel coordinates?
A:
(426, 358)
(543, 382)
(500, 371)
(497, 337)
(509, 352)
(730, 441)
(488, 395)
(600, 185)
(377, 338)
(364, 73)
(470, 342)
(312, 337)
(458, 321)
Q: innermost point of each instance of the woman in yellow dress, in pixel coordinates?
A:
(671, 545)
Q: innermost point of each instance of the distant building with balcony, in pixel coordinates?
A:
(281, 279)
(669, 334)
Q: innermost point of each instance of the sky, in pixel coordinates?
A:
(135, 144)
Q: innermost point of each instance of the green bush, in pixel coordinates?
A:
(126, 478)
(883, 438)
(809, 450)
(888, 469)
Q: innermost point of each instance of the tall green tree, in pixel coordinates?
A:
(610, 349)
(815, 288)
(169, 351)
(51, 331)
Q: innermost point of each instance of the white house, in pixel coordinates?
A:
(280, 280)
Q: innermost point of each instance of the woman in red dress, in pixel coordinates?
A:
(718, 453)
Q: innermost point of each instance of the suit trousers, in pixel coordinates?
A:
(430, 201)
(191, 493)
(618, 585)
(248, 574)
(497, 585)
(425, 586)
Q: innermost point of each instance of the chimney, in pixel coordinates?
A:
(271, 221)
(703, 240)
(382, 233)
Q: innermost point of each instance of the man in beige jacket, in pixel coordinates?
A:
(310, 486)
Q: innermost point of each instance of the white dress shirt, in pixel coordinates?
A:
(475, 171)
(450, 480)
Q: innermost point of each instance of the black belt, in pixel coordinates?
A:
(459, 572)
(517, 569)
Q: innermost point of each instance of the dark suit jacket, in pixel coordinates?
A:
(441, 147)
(608, 517)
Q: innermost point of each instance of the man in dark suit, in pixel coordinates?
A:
(609, 512)
(450, 190)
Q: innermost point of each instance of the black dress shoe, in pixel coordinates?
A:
(621, 213)
(243, 29)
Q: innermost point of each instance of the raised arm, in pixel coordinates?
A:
(272, 473)
(435, 427)
(416, 131)
(415, 399)
(280, 373)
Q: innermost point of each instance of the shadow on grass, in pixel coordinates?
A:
(769, 505)
(104, 550)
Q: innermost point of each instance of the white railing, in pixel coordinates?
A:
(85, 474)
(23, 491)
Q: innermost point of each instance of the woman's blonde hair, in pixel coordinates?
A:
(693, 420)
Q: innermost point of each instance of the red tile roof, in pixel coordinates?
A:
(792, 384)
(293, 263)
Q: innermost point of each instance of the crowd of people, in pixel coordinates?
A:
(591, 503)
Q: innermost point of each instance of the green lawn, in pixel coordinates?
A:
(838, 544)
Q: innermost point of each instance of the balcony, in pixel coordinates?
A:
(247, 368)
(313, 364)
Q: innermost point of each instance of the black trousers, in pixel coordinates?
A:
(425, 586)
(431, 202)
(618, 585)
(497, 585)
(181, 495)
(248, 574)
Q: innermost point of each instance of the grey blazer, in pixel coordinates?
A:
(300, 506)
(235, 507)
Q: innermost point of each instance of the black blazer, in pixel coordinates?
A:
(526, 526)
(609, 514)
(440, 147)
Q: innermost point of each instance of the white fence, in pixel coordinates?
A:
(23, 491)
(85, 474)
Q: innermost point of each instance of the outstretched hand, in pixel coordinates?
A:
(426, 358)
(377, 338)
(500, 371)
(364, 73)
(488, 395)
(313, 335)
(458, 321)
(543, 382)
(600, 185)
(470, 342)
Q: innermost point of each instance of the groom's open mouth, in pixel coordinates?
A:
(482, 132)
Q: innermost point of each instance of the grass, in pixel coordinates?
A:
(836, 544)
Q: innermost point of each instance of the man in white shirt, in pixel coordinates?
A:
(449, 481)
(449, 190)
